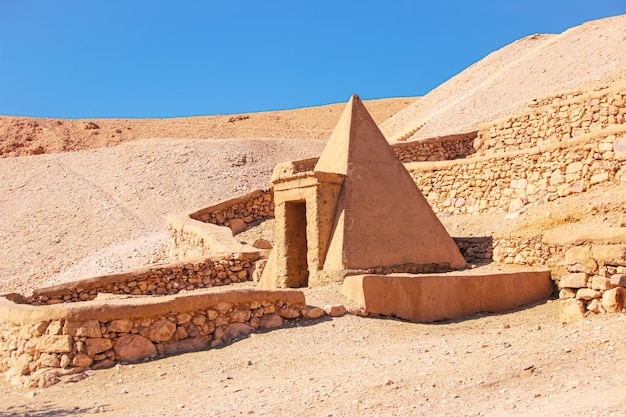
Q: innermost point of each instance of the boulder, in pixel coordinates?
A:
(271, 321)
(160, 331)
(134, 348)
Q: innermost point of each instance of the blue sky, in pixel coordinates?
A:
(135, 58)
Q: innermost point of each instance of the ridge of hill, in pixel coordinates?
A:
(506, 80)
(32, 136)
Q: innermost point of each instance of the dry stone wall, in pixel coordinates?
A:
(555, 118)
(595, 282)
(437, 149)
(238, 212)
(157, 280)
(509, 181)
(40, 346)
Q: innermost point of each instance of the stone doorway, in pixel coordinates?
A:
(296, 244)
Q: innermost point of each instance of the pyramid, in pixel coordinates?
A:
(357, 211)
(381, 217)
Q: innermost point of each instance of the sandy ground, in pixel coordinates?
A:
(100, 209)
(519, 364)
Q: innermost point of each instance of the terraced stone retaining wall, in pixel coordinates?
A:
(41, 345)
(553, 119)
(509, 181)
(156, 280)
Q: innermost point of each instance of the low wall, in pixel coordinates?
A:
(436, 149)
(507, 182)
(41, 345)
(555, 118)
(155, 280)
(427, 298)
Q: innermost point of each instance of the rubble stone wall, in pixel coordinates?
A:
(437, 149)
(156, 280)
(254, 206)
(507, 182)
(41, 345)
(595, 282)
(553, 119)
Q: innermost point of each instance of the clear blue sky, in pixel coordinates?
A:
(135, 58)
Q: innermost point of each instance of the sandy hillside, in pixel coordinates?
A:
(27, 136)
(100, 209)
(506, 80)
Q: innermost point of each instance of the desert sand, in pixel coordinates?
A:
(74, 204)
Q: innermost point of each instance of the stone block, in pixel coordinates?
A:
(598, 178)
(336, 310)
(571, 310)
(601, 283)
(576, 280)
(89, 328)
(315, 313)
(236, 330)
(619, 147)
(566, 293)
(614, 300)
(54, 344)
(587, 294)
(133, 348)
(160, 331)
(618, 280)
(120, 326)
(609, 254)
(97, 345)
(271, 321)
(581, 255)
(82, 360)
(237, 225)
(188, 345)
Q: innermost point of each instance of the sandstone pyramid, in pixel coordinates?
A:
(381, 217)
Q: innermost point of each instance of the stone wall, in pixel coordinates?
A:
(507, 182)
(437, 149)
(555, 118)
(155, 280)
(252, 207)
(595, 282)
(41, 345)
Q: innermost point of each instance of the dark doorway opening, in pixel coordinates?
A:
(296, 243)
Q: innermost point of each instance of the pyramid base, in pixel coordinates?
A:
(434, 297)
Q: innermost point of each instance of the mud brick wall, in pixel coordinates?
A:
(555, 118)
(158, 280)
(40, 345)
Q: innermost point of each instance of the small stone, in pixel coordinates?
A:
(336, 310)
(82, 360)
(261, 243)
(236, 330)
(571, 310)
(614, 300)
(237, 225)
(271, 321)
(566, 293)
(618, 280)
(315, 313)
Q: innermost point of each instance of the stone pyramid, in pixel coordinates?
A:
(381, 217)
